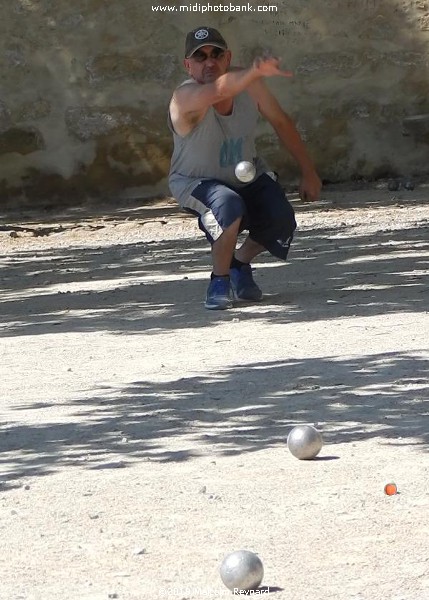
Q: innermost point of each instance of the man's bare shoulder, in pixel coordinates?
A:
(182, 117)
(185, 86)
(181, 94)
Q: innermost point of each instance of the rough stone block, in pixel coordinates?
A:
(113, 67)
(330, 62)
(87, 123)
(417, 126)
(21, 141)
(32, 111)
(5, 120)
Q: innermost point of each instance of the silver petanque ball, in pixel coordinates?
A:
(242, 571)
(245, 171)
(304, 442)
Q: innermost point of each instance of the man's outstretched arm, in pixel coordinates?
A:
(288, 134)
(196, 97)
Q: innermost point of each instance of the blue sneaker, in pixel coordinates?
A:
(243, 285)
(219, 295)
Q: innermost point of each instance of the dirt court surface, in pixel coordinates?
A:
(143, 437)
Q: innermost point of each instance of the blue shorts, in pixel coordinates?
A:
(261, 205)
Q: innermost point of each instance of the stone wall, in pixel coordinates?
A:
(85, 87)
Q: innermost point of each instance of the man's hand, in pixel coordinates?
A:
(267, 66)
(310, 186)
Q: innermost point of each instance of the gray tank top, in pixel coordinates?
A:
(214, 147)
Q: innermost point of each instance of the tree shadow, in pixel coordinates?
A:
(148, 288)
(157, 285)
(233, 411)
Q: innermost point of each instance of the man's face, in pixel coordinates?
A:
(208, 63)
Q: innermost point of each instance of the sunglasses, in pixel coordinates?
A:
(216, 54)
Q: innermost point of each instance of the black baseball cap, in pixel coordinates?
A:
(203, 36)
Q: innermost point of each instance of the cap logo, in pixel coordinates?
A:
(201, 34)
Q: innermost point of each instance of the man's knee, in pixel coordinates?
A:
(218, 208)
(232, 229)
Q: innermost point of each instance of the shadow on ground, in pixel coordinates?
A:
(233, 411)
(156, 286)
(149, 288)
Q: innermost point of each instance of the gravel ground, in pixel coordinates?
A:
(143, 437)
